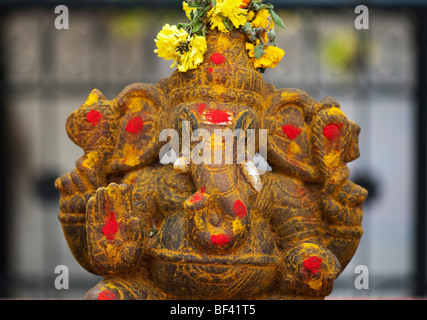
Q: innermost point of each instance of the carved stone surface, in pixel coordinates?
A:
(212, 231)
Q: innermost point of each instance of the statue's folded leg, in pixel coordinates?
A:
(124, 289)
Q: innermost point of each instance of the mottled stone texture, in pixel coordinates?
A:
(212, 231)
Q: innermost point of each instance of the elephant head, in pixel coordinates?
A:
(215, 110)
(222, 170)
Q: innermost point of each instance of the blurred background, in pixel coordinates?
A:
(378, 75)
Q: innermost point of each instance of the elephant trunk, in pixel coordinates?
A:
(218, 214)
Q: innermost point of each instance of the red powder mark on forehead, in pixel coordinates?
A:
(202, 189)
(239, 208)
(110, 228)
(220, 239)
(201, 108)
(313, 264)
(291, 131)
(217, 116)
(135, 125)
(210, 70)
(94, 116)
(106, 295)
(198, 196)
(217, 58)
(331, 131)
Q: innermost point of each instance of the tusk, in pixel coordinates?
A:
(251, 173)
(182, 165)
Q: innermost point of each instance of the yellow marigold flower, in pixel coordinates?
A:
(262, 20)
(250, 16)
(194, 56)
(250, 48)
(228, 9)
(167, 42)
(187, 9)
(271, 57)
(173, 43)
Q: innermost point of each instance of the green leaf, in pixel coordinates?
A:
(272, 37)
(259, 51)
(276, 19)
(247, 27)
(196, 27)
(253, 36)
(205, 10)
(182, 25)
(195, 14)
(227, 22)
(266, 6)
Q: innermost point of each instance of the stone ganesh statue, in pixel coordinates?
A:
(212, 230)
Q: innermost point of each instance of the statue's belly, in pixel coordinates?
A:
(184, 270)
(190, 276)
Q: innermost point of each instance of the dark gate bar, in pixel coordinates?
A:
(421, 158)
(4, 164)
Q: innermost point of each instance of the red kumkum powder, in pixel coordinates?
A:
(110, 228)
(201, 108)
(197, 197)
(291, 131)
(94, 116)
(313, 264)
(217, 116)
(220, 239)
(217, 58)
(239, 208)
(135, 125)
(106, 295)
(331, 131)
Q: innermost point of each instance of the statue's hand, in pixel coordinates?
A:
(310, 270)
(77, 186)
(115, 235)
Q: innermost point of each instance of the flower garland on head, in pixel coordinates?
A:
(185, 43)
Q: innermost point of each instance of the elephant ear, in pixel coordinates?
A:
(92, 126)
(334, 139)
(137, 129)
(122, 132)
(288, 121)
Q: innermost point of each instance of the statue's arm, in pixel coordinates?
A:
(308, 268)
(75, 189)
(335, 141)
